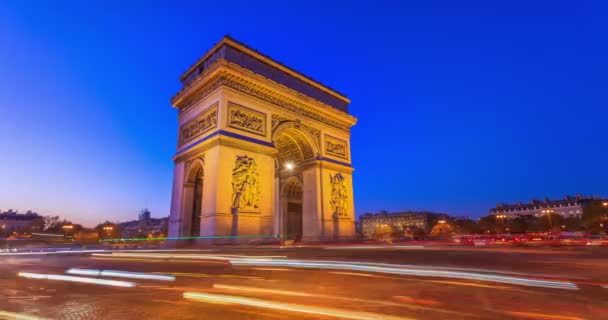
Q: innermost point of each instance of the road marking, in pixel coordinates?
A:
(339, 313)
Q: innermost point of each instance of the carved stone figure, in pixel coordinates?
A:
(277, 120)
(246, 119)
(335, 147)
(245, 187)
(198, 126)
(339, 194)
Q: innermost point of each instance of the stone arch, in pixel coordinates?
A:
(194, 168)
(294, 142)
(193, 197)
(292, 188)
(291, 208)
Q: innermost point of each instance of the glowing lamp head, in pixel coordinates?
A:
(289, 166)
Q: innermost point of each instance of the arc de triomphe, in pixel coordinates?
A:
(263, 151)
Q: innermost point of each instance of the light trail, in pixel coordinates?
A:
(205, 275)
(7, 315)
(155, 260)
(33, 253)
(330, 312)
(120, 274)
(396, 269)
(189, 238)
(58, 277)
(371, 247)
(262, 290)
(151, 255)
(408, 305)
(531, 315)
(272, 269)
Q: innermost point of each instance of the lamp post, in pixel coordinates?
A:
(549, 212)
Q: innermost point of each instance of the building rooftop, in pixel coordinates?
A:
(545, 202)
(238, 53)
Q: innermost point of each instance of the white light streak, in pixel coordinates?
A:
(120, 274)
(412, 247)
(58, 277)
(34, 253)
(7, 315)
(151, 255)
(345, 314)
(396, 269)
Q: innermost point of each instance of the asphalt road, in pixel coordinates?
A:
(315, 283)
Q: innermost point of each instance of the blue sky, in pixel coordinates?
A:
(461, 104)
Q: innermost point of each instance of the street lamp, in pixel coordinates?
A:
(549, 212)
(289, 166)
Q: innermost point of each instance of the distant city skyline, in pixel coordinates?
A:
(461, 105)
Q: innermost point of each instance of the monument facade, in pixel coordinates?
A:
(263, 151)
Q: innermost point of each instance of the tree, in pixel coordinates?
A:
(489, 224)
(573, 224)
(50, 223)
(550, 223)
(382, 233)
(108, 230)
(522, 223)
(465, 226)
(442, 229)
(595, 216)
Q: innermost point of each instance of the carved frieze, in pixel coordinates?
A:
(245, 185)
(277, 120)
(224, 78)
(246, 119)
(316, 133)
(196, 127)
(336, 147)
(339, 194)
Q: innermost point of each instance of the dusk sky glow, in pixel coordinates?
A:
(461, 105)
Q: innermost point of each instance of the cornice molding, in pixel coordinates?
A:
(257, 55)
(224, 74)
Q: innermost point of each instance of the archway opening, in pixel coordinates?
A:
(194, 199)
(294, 150)
(293, 209)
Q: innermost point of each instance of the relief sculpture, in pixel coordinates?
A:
(245, 184)
(335, 147)
(198, 126)
(246, 119)
(339, 194)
